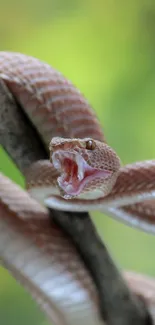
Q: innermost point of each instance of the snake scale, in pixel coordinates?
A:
(84, 173)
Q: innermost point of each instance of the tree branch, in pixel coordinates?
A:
(118, 305)
(17, 136)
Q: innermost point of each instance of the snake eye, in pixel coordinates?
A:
(90, 145)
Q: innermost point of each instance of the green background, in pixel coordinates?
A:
(107, 48)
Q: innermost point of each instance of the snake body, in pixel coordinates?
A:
(67, 125)
(44, 260)
(46, 263)
(60, 112)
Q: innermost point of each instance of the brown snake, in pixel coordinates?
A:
(46, 263)
(87, 170)
(85, 175)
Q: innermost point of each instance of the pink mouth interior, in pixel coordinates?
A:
(75, 173)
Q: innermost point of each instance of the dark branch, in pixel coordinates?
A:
(17, 136)
(118, 305)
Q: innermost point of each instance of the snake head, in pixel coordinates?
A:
(88, 168)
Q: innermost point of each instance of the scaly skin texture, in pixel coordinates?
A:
(44, 260)
(26, 231)
(58, 109)
(52, 103)
(71, 155)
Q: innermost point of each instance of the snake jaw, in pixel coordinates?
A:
(75, 173)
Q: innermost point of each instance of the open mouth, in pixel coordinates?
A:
(75, 172)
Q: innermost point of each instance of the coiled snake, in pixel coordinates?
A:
(83, 174)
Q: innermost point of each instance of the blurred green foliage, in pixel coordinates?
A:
(107, 48)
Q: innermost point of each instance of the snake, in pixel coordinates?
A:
(45, 262)
(83, 173)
